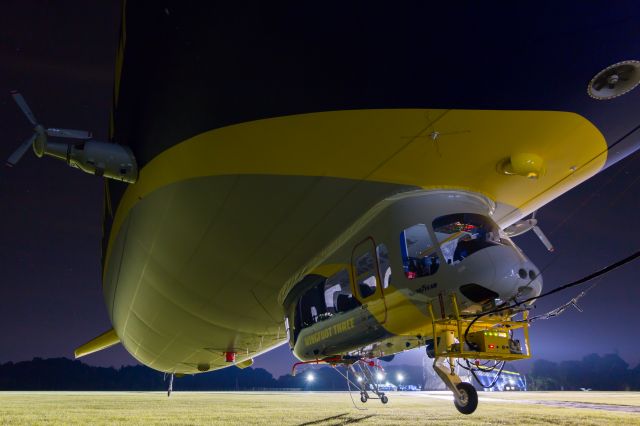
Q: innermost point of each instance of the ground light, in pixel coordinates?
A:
(310, 377)
(399, 377)
(379, 376)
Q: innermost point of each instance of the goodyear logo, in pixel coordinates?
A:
(334, 330)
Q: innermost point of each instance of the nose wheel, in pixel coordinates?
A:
(467, 399)
(465, 396)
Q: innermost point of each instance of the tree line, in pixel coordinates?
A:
(65, 374)
(607, 372)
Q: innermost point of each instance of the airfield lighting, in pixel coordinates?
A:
(379, 376)
(400, 377)
(359, 378)
(310, 377)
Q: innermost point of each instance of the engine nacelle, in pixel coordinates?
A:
(110, 160)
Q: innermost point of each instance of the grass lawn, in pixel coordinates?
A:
(302, 408)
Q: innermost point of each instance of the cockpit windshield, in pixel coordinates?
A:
(462, 234)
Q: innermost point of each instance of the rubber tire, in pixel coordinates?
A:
(363, 398)
(384, 399)
(471, 395)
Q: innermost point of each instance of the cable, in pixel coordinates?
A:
(555, 312)
(560, 309)
(350, 394)
(505, 307)
(478, 367)
(582, 280)
(495, 379)
(466, 332)
(473, 371)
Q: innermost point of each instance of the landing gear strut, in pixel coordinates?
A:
(465, 395)
(480, 337)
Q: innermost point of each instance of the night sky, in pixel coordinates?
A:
(61, 56)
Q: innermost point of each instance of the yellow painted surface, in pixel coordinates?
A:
(245, 363)
(101, 342)
(332, 331)
(392, 146)
(402, 317)
(330, 269)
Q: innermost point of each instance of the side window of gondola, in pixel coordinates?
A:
(419, 254)
(337, 293)
(383, 263)
(460, 235)
(311, 306)
(366, 274)
(322, 298)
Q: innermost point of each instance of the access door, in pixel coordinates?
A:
(367, 278)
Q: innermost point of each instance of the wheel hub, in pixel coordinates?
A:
(463, 398)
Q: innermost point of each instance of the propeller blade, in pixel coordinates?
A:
(69, 133)
(520, 227)
(18, 153)
(23, 106)
(543, 238)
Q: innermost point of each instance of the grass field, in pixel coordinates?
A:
(310, 408)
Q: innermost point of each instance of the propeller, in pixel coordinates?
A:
(524, 225)
(18, 153)
(24, 107)
(543, 238)
(39, 132)
(613, 76)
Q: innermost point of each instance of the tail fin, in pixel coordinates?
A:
(245, 363)
(103, 341)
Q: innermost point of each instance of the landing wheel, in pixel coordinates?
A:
(384, 399)
(468, 400)
(363, 398)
